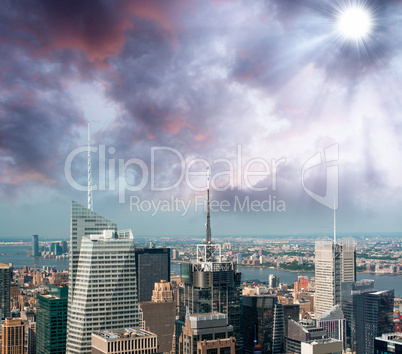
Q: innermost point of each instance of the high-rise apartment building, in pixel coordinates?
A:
(334, 263)
(4, 291)
(105, 290)
(211, 285)
(35, 246)
(153, 265)
(51, 320)
(12, 338)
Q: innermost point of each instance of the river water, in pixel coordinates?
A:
(381, 282)
(18, 255)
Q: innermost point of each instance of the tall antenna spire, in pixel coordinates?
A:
(208, 239)
(90, 202)
(334, 222)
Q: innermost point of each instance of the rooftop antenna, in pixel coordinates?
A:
(334, 223)
(208, 238)
(90, 201)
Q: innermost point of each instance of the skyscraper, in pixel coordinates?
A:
(159, 315)
(262, 320)
(210, 285)
(35, 246)
(51, 320)
(12, 336)
(353, 305)
(84, 222)
(4, 291)
(152, 266)
(334, 263)
(105, 291)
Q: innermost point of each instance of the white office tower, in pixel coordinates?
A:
(105, 293)
(334, 263)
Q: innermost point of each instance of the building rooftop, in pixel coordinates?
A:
(4, 266)
(123, 333)
(323, 341)
(391, 337)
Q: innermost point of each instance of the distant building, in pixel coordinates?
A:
(152, 266)
(334, 263)
(127, 341)
(35, 246)
(4, 291)
(12, 338)
(273, 281)
(56, 248)
(63, 245)
(51, 320)
(206, 333)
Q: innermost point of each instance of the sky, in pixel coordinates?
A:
(294, 110)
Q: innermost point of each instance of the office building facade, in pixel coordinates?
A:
(353, 306)
(334, 263)
(206, 332)
(84, 222)
(51, 320)
(105, 292)
(159, 315)
(12, 338)
(152, 266)
(4, 291)
(127, 341)
(262, 322)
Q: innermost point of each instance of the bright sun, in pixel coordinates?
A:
(355, 22)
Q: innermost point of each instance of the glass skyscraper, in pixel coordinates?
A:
(35, 246)
(334, 263)
(4, 291)
(153, 265)
(51, 321)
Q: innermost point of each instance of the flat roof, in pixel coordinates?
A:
(123, 333)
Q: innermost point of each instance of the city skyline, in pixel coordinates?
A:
(280, 86)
